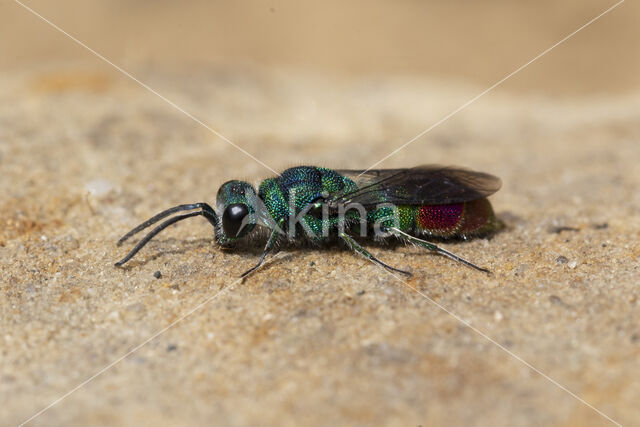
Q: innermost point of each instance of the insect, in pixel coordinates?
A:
(320, 205)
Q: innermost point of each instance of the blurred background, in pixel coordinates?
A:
(477, 42)
(86, 154)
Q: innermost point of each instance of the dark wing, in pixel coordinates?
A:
(421, 185)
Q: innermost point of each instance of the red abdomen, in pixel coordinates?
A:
(456, 220)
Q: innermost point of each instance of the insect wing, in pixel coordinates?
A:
(421, 185)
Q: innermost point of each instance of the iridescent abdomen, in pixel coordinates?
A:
(463, 220)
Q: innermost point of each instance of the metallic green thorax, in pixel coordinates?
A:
(288, 195)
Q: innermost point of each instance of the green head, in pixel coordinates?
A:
(236, 203)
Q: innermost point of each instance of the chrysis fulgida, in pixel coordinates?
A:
(321, 205)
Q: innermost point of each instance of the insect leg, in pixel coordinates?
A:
(270, 244)
(155, 231)
(409, 238)
(362, 251)
(207, 212)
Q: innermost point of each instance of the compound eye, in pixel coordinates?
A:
(232, 219)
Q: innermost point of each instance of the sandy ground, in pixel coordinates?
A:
(315, 337)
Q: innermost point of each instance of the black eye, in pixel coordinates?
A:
(232, 218)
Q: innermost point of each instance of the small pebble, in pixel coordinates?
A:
(556, 300)
(98, 187)
(157, 274)
(572, 264)
(497, 316)
(562, 259)
(560, 229)
(172, 347)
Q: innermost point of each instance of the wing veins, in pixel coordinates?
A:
(426, 184)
